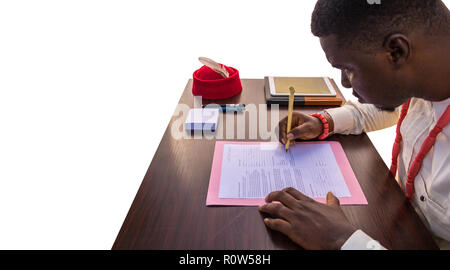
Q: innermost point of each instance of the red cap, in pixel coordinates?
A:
(211, 85)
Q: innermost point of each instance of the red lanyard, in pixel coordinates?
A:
(424, 149)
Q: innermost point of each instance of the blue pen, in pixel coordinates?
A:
(227, 107)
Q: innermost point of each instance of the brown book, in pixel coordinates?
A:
(309, 100)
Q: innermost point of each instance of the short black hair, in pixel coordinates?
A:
(365, 24)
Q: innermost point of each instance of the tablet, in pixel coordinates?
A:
(304, 86)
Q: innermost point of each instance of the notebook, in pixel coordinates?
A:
(301, 99)
(304, 86)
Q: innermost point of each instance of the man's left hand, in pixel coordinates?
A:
(308, 223)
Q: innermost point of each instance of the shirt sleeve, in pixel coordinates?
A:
(361, 241)
(355, 118)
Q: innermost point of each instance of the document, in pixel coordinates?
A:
(253, 171)
(244, 173)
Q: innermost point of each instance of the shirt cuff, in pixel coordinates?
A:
(361, 241)
(342, 118)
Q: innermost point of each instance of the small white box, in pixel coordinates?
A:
(202, 119)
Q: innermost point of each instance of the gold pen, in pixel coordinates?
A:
(290, 109)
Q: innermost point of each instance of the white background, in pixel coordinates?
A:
(87, 89)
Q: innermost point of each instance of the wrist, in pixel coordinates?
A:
(330, 122)
(323, 118)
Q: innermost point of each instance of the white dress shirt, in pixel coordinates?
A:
(432, 183)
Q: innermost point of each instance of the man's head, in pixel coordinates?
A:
(381, 49)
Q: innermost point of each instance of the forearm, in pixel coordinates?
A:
(355, 118)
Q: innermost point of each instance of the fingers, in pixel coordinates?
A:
(277, 224)
(297, 119)
(282, 130)
(303, 132)
(276, 209)
(295, 133)
(296, 128)
(332, 200)
(304, 127)
(297, 194)
(283, 197)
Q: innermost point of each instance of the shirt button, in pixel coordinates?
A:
(422, 198)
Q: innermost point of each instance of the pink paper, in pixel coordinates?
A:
(357, 196)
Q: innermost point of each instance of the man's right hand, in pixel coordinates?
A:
(303, 127)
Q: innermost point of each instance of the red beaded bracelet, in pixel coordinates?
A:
(324, 121)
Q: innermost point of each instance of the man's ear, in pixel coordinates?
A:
(398, 48)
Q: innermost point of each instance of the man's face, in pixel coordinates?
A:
(371, 76)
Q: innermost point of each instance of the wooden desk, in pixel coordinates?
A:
(169, 209)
